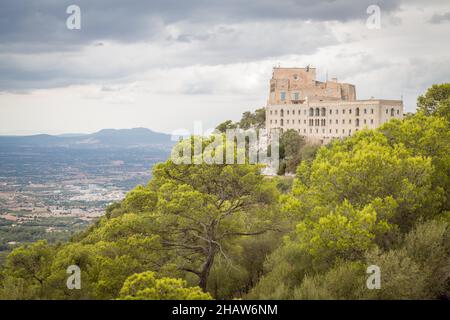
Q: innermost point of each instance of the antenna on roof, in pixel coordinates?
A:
(307, 68)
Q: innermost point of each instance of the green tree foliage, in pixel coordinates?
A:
(293, 150)
(202, 208)
(436, 101)
(256, 120)
(145, 286)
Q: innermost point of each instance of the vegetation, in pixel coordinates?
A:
(379, 197)
(249, 120)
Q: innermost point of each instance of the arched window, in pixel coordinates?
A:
(392, 112)
(357, 111)
(311, 112)
(323, 112)
(357, 122)
(282, 112)
(317, 112)
(281, 122)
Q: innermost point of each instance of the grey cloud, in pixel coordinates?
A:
(440, 18)
(140, 20)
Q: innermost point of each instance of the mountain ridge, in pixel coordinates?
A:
(105, 138)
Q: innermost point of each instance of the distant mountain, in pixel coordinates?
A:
(106, 138)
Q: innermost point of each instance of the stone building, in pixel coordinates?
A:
(321, 111)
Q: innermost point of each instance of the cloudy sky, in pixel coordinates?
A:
(163, 64)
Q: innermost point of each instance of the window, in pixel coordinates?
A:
(275, 121)
(330, 121)
(281, 122)
(283, 95)
(331, 111)
(270, 112)
(287, 121)
(282, 113)
(392, 112)
(387, 111)
(371, 121)
(324, 112)
(287, 111)
(299, 121)
(343, 121)
(350, 121)
(270, 121)
(357, 112)
(296, 96)
(337, 111)
(336, 121)
(357, 122)
(276, 111)
(350, 111)
(371, 111)
(317, 113)
(343, 130)
(365, 111)
(398, 111)
(365, 121)
(304, 121)
(304, 130)
(311, 112)
(343, 111)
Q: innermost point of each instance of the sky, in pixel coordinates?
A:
(164, 64)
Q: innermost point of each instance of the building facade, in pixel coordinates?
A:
(321, 111)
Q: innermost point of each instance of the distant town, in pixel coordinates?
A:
(50, 187)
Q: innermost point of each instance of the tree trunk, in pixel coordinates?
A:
(206, 268)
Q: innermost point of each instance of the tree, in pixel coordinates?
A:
(365, 167)
(436, 101)
(202, 208)
(145, 286)
(345, 232)
(29, 267)
(293, 150)
(256, 120)
(224, 126)
(346, 280)
(425, 136)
